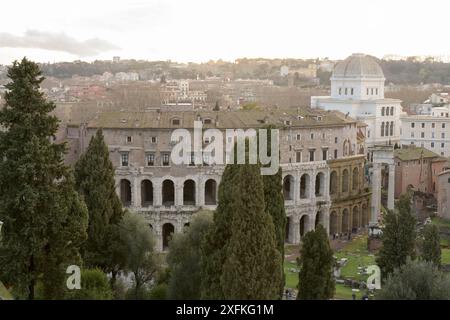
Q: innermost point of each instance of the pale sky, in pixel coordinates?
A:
(200, 30)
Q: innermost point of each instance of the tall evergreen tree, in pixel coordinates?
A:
(94, 175)
(274, 200)
(40, 211)
(431, 245)
(251, 269)
(214, 245)
(316, 279)
(399, 237)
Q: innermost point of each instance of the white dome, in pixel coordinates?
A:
(358, 65)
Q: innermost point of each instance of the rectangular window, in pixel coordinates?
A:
(128, 139)
(443, 135)
(412, 124)
(165, 159)
(335, 139)
(298, 156)
(352, 91)
(432, 144)
(153, 139)
(433, 125)
(311, 155)
(298, 136)
(422, 134)
(345, 91)
(124, 159)
(324, 154)
(443, 126)
(423, 125)
(442, 145)
(335, 154)
(150, 159)
(312, 136)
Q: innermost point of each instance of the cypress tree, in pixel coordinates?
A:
(41, 214)
(216, 239)
(316, 279)
(94, 175)
(398, 238)
(431, 245)
(251, 269)
(274, 200)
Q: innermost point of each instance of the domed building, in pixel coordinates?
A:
(357, 90)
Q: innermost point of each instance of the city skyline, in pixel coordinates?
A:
(199, 31)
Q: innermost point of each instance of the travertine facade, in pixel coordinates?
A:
(313, 144)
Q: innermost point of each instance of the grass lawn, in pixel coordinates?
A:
(445, 256)
(443, 223)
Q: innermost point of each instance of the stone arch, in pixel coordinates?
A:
(320, 184)
(189, 192)
(167, 230)
(288, 187)
(344, 181)
(355, 218)
(304, 222)
(334, 223)
(168, 193)
(304, 186)
(333, 183)
(210, 192)
(345, 220)
(146, 193)
(355, 179)
(125, 192)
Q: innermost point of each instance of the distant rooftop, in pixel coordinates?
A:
(304, 117)
(414, 153)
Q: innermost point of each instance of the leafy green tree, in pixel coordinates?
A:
(214, 245)
(184, 259)
(416, 280)
(252, 266)
(316, 279)
(398, 238)
(138, 245)
(431, 245)
(44, 221)
(94, 286)
(94, 174)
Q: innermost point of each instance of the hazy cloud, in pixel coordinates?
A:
(56, 42)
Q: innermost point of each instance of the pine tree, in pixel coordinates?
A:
(398, 238)
(431, 245)
(94, 175)
(274, 200)
(251, 269)
(316, 279)
(40, 211)
(216, 240)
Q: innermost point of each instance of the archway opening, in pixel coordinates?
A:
(288, 187)
(146, 193)
(319, 219)
(320, 184)
(189, 193)
(304, 221)
(334, 223)
(355, 219)
(210, 192)
(168, 193)
(304, 186)
(333, 183)
(345, 221)
(168, 230)
(345, 180)
(125, 192)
